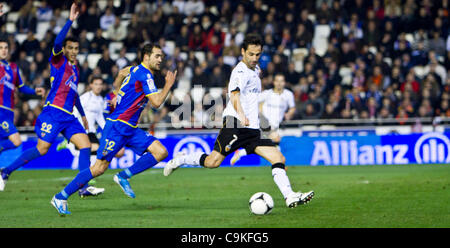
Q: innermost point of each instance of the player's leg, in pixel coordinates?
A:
(59, 201)
(276, 158)
(40, 149)
(10, 142)
(152, 152)
(275, 137)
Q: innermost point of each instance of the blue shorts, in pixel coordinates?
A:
(116, 135)
(53, 121)
(7, 123)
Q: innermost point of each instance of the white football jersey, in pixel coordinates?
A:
(93, 107)
(275, 105)
(249, 84)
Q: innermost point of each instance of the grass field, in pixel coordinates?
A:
(346, 196)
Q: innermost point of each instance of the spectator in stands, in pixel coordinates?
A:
(117, 31)
(105, 63)
(90, 19)
(107, 19)
(193, 7)
(98, 43)
(44, 12)
(27, 21)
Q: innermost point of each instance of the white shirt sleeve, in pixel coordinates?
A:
(291, 101)
(237, 80)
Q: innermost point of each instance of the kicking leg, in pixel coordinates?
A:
(274, 156)
(211, 161)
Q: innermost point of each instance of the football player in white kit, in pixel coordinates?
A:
(241, 126)
(276, 105)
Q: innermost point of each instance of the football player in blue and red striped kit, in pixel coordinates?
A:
(137, 89)
(56, 116)
(10, 80)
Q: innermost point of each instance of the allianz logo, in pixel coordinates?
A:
(190, 145)
(429, 148)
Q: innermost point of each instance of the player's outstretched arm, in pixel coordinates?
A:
(74, 13)
(157, 99)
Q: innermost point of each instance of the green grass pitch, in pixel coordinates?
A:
(398, 196)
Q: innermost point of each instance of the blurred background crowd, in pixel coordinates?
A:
(343, 59)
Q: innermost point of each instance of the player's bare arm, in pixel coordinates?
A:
(157, 99)
(234, 98)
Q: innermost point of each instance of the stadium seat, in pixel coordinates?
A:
(12, 17)
(20, 37)
(320, 40)
(102, 4)
(90, 35)
(346, 74)
(179, 94)
(41, 29)
(11, 27)
(81, 58)
(184, 84)
(115, 46)
(200, 56)
(33, 103)
(81, 87)
(216, 92)
(93, 59)
(184, 56)
(388, 60)
(171, 47)
(130, 56)
(197, 94)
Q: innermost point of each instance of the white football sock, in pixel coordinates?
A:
(282, 181)
(191, 159)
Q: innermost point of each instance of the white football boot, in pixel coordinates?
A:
(298, 198)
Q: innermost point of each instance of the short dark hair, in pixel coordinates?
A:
(252, 39)
(93, 78)
(71, 39)
(4, 39)
(148, 48)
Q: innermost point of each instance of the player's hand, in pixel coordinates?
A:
(244, 121)
(170, 78)
(85, 122)
(40, 91)
(74, 12)
(113, 101)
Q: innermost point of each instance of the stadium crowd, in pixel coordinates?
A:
(349, 59)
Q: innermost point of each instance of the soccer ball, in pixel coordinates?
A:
(261, 203)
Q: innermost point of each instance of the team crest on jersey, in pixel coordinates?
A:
(5, 126)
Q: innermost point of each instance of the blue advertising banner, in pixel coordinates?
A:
(362, 149)
(174, 144)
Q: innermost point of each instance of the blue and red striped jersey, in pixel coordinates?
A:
(132, 96)
(64, 83)
(9, 80)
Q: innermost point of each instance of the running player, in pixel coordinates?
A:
(275, 105)
(10, 80)
(57, 116)
(121, 129)
(241, 126)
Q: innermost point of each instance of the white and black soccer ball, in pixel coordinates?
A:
(261, 203)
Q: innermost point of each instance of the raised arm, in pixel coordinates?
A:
(74, 13)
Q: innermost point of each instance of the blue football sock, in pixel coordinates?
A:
(6, 144)
(77, 183)
(26, 156)
(145, 162)
(84, 160)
